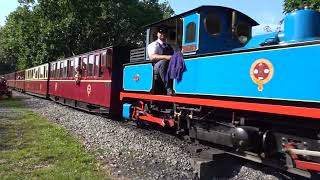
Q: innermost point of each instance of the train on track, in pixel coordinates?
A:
(254, 97)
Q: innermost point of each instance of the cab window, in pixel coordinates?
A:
(213, 24)
(243, 32)
(191, 32)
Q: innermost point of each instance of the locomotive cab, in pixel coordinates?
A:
(206, 29)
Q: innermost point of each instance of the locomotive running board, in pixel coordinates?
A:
(246, 106)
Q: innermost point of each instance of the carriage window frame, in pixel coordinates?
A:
(97, 65)
(41, 72)
(68, 67)
(65, 68)
(55, 69)
(91, 60)
(51, 69)
(38, 70)
(103, 58)
(71, 67)
(191, 32)
(84, 65)
(61, 69)
(77, 64)
(45, 72)
(218, 30)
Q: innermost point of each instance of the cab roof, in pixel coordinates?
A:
(251, 21)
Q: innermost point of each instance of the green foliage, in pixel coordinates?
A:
(50, 29)
(291, 5)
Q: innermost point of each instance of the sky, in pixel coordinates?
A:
(265, 12)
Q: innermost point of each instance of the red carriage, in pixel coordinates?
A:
(10, 78)
(90, 81)
(36, 80)
(20, 81)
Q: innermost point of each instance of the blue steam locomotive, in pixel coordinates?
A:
(257, 97)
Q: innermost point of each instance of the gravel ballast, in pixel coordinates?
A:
(129, 152)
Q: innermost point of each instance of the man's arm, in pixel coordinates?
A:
(157, 57)
(153, 56)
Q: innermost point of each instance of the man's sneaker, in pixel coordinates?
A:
(169, 92)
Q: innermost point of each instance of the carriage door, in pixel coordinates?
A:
(190, 42)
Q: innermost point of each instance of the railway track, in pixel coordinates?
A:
(129, 152)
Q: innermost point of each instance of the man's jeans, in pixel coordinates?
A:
(161, 68)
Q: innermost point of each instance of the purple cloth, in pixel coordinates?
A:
(176, 67)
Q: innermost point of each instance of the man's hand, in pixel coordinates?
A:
(157, 57)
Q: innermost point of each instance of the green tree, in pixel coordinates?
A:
(50, 29)
(291, 5)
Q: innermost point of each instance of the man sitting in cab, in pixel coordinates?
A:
(160, 52)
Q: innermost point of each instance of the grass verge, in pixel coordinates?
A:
(33, 148)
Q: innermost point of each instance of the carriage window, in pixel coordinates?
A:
(61, 69)
(51, 70)
(71, 70)
(191, 32)
(213, 24)
(42, 74)
(90, 65)
(65, 68)
(243, 32)
(68, 68)
(36, 74)
(84, 66)
(55, 70)
(76, 63)
(96, 67)
(103, 63)
(41, 70)
(46, 72)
